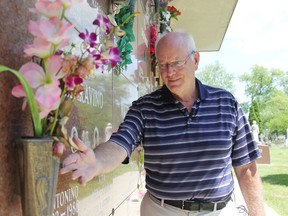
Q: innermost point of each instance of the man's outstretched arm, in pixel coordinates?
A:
(86, 163)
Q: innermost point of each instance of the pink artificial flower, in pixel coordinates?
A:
(48, 98)
(40, 47)
(54, 66)
(54, 8)
(48, 8)
(44, 84)
(18, 91)
(52, 30)
(103, 23)
(68, 3)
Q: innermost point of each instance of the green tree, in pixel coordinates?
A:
(216, 75)
(245, 106)
(260, 83)
(275, 114)
(254, 115)
(284, 83)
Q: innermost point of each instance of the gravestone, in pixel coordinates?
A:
(265, 154)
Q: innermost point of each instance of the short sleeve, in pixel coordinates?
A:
(130, 132)
(245, 148)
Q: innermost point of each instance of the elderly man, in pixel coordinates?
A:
(192, 134)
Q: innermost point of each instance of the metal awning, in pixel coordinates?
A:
(206, 20)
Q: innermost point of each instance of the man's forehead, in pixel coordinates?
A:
(169, 55)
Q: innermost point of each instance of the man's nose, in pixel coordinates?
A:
(170, 70)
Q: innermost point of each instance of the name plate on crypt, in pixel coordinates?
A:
(98, 112)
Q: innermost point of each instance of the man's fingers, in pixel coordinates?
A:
(79, 163)
(69, 163)
(82, 181)
(82, 176)
(68, 168)
(80, 144)
(58, 149)
(70, 159)
(75, 174)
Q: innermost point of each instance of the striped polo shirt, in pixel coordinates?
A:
(189, 155)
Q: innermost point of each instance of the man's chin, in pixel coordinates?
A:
(173, 87)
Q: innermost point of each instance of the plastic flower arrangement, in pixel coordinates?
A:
(53, 79)
(166, 13)
(151, 32)
(124, 19)
(153, 38)
(173, 12)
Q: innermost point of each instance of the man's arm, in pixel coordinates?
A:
(86, 163)
(251, 188)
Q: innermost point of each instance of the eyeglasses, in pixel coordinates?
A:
(176, 64)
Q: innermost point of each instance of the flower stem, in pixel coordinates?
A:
(72, 24)
(57, 112)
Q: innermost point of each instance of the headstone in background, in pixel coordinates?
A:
(265, 152)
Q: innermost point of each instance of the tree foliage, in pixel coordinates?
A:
(284, 83)
(267, 88)
(216, 75)
(254, 115)
(275, 114)
(260, 83)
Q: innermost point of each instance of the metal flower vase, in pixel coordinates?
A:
(38, 169)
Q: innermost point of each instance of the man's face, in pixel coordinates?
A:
(177, 67)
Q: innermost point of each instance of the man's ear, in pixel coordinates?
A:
(196, 59)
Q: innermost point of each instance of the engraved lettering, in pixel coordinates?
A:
(92, 97)
(66, 197)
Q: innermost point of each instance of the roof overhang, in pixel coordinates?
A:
(206, 20)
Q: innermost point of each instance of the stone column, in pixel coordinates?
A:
(13, 121)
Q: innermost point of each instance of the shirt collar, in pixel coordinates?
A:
(168, 97)
(203, 91)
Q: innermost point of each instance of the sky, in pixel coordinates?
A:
(257, 34)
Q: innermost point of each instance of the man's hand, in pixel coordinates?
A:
(86, 163)
(82, 164)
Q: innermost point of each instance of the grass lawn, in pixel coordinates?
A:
(275, 179)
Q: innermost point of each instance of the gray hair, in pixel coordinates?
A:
(182, 37)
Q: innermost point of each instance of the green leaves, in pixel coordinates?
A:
(216, 75)
(267, 87)
(125, 20)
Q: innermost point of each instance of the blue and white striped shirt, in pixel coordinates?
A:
(189, 155)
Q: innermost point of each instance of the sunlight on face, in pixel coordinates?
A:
(176, 63)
